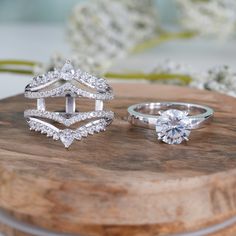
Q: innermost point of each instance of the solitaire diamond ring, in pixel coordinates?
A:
(173, 121)
(71, 84)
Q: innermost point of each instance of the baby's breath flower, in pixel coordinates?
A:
(209, 17)
(107, 29)
(219, 78)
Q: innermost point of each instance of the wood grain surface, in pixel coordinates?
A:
(123, 181)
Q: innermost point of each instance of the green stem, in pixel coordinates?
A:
(18, 63)
(16, 71)
(185, 79)
(163, 37)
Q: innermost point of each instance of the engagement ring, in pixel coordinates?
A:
(173, 121)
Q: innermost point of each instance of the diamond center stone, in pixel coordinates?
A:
(172, 126)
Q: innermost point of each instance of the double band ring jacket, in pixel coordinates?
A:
(71, 84)
(173, 121)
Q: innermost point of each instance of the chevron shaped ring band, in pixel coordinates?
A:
(71, 84)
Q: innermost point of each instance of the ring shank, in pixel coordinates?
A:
(146, 114)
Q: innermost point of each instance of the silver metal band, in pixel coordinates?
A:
(146, 114)
(67, 118)
(69, 83)
(173, 121)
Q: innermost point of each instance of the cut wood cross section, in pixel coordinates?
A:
(123, 181)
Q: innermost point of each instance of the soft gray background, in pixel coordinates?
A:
(56, 11)
(35, 29)
(35, 11)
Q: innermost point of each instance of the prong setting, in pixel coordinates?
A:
(173, 121)
(172, 126)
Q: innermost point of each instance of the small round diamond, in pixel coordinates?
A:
(172, 126)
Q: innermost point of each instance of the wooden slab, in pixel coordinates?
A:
(122, 181)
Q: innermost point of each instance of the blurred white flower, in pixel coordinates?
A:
(219, 78)
(107, 29)
(169, 66)
(209, 17)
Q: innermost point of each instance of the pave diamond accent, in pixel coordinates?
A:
(67, 136)
(66, 82)
(60, 117)
(172, 126)
(44, 79)
(71, 90)
(68, 73)
(44, 128)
